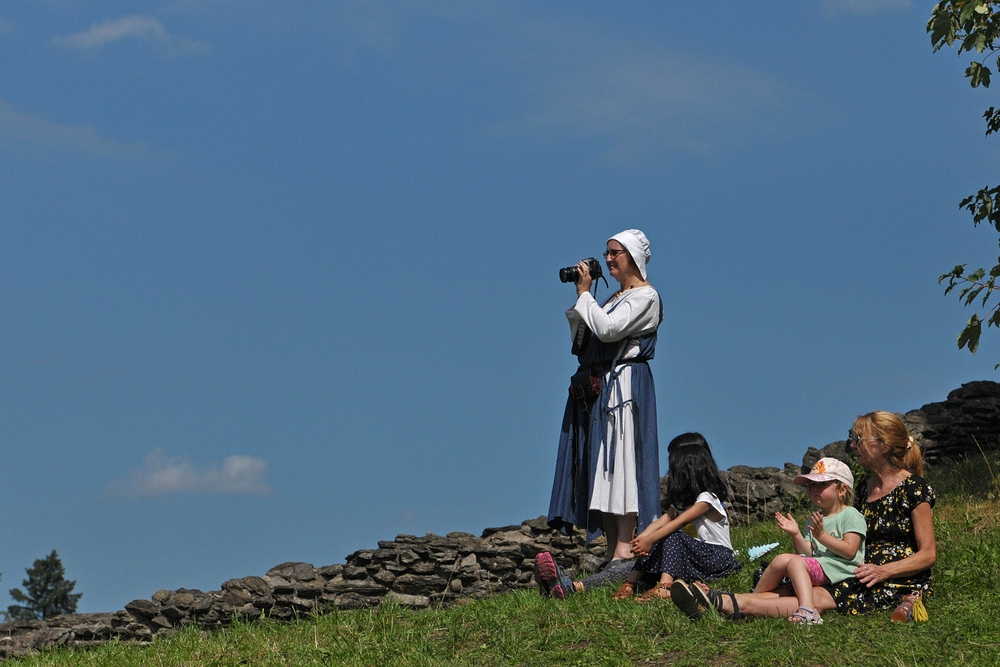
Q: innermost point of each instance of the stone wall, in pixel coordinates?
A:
(432, 570)
(946, 431)
(417, 572)
(951, 428)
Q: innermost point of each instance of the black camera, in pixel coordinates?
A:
(572, 273)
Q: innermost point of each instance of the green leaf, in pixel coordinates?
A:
(972, 72)
(942, 27)
(973, 293)
(970, 334)
(973, 7)
(978, 74)
(966, 13)
(992, 116)
(974, 41)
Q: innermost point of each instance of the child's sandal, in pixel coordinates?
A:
(658, 592)
(624, 591)
(806, 616)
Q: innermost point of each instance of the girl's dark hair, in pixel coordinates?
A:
(692, 471)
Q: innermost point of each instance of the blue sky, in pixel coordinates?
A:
(279, 279)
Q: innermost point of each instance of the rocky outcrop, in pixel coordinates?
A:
(951, 428)
(432, 570)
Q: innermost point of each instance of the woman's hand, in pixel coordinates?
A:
(585, 280)
(870, 575)
(641, 545)
(787, 523)
(816, 527)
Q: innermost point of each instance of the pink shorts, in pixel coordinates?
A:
(816, 574)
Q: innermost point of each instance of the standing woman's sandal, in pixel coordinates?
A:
(624, 591)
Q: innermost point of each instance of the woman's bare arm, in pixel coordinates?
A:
(922, 519)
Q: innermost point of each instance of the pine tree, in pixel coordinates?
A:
(49, 593)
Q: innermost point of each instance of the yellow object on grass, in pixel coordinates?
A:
(919, 610)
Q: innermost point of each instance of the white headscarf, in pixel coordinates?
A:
(637, 245)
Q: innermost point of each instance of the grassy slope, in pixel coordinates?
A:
(591, 629)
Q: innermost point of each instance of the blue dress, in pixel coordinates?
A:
(585, 430)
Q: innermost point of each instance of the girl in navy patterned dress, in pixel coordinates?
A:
(691, 541)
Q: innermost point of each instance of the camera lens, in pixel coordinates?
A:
(569, 274)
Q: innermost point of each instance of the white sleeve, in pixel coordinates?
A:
(574, 322)
(639, 312)
(713, 500)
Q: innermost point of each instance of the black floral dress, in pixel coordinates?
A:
(890, 538)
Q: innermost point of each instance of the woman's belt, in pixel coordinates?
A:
(604, 368)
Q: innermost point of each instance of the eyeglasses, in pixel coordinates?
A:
(611, 253)
(853, 438)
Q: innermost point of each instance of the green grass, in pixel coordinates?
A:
(522, 628)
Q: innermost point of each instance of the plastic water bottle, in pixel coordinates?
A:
(904, 612)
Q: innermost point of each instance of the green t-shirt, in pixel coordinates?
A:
(847, 520)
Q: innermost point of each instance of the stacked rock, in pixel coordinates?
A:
(952, 428)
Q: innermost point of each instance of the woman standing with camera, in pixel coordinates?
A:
(608, 467)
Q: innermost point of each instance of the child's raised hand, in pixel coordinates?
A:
(816, 526)
(787, 523)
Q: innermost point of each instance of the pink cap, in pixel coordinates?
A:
(828, 469)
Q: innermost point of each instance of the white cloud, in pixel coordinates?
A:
(160, 476)
(582, 82)
(111, 30)
(639, 100)
(35, 130)
(866, 7)
(137, 27)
